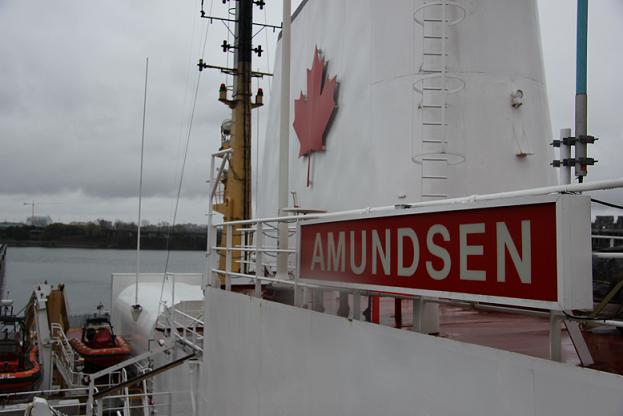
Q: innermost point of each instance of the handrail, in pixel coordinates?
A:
(192, 318)
(190, 335)
(607, 237)
(44, 392)
(256, 267)
(545, 190)
(461, 303)
(69, 362)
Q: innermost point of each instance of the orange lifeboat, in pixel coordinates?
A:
(98, 345)
(19, 366)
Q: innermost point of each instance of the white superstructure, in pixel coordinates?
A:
(435, 99)
(156, 296)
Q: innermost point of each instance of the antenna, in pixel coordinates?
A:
(136, 308)
(580, 160)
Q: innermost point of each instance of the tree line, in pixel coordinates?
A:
(105, 234)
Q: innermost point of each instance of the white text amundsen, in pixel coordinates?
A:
(331, 249)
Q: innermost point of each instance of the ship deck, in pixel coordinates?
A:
(518, 333)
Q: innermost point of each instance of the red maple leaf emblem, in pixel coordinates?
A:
(313, 113)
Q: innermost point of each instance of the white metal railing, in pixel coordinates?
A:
(606, 255)
(69, 363)
(257, 254)
(611, 243)
(606, 237)
(154, 403)
(263, 234)
(545, 190)
(147, 403)
(124, 403)
(184, 325)
(188, 329)
(61, 408)
(18, 396)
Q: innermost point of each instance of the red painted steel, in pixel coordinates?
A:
(102, 357)
(21, 379)
(313, 111)
(337, 265)
(376, 310)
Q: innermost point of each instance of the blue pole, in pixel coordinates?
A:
(581, 101)
(582, 35)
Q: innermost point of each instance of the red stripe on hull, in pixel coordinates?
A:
(102, 357)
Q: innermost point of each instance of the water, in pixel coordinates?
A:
(85, 272)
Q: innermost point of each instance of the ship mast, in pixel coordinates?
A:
(237, 179)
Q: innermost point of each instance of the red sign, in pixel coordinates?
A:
(501, 251)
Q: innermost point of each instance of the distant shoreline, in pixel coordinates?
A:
(105, 235)
(86, 245)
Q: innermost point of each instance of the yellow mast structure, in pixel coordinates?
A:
(237, 180)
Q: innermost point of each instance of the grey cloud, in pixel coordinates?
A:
(70, 114)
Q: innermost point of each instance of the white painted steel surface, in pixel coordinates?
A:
(178, 382)
(272, 359)
(376, 50)
(138, 332)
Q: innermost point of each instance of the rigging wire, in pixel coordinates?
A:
(267, 54)
(183, 169)
(181, 181)
(187, 89)
(257, 121)
(607, 204)
(230, 35)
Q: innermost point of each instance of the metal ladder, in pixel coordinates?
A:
(434, 85)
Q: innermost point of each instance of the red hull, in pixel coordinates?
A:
(102, 357)
(22, 380)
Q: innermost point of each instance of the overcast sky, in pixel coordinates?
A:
(71, 96)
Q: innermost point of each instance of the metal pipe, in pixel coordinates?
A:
(109, 391)
(252, 249)
(582, 47)
(284, 134)
(209, 229)
(608, 255)
(222, 152)
(571, 188)
(610, 322)
(581, 122)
